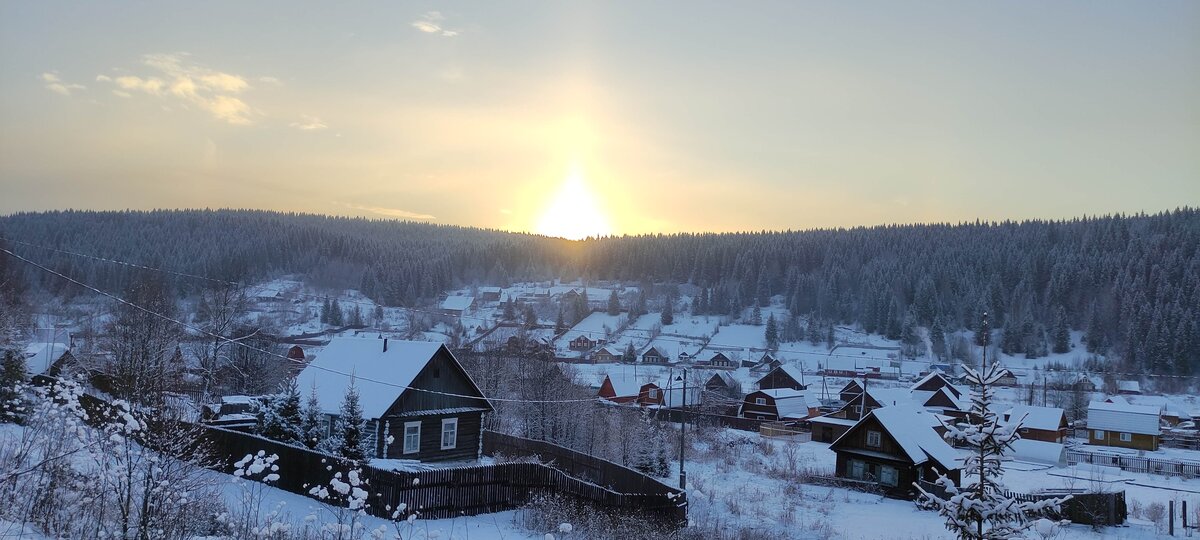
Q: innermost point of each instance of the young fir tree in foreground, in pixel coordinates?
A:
(282, 418)
(979, 509)
(310, 423)
(349, 434)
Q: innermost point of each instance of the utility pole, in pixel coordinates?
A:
(682, 428)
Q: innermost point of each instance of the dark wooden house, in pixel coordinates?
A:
(851, 390)
(1046, 424)
(720, 361)
(605, 356)
(295, 353)
(894, 447)
(779, 404)
(934, 381)
(581, 343)
(654, 356)
(784, 376)
(416, 392)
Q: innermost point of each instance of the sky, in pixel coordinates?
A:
(578, 118)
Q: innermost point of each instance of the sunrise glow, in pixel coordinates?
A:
(574, 212)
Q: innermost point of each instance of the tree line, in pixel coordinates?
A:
(1130, 282)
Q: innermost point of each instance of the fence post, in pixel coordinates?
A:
(1183, 504)
(1171, 518)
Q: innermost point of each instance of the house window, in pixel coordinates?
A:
(874, 439)
(760, 401)
(449, 433)
(1098, 434)
(888, 476)
(1126, 437)
(412, 437)
(856, 469)
(652, 393)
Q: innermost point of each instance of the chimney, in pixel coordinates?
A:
(385, 344)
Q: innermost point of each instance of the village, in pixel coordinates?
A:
(847, 416)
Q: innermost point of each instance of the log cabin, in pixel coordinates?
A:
(894, 447)
(413, 391)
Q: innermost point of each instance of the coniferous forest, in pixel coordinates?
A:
(1130, 282)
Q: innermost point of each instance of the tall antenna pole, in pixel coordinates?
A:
(682, 428)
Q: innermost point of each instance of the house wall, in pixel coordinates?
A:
(765, 412)
(1044, 435)
(466, 446)
(441, 374)
(1113, 438)
(906, 473)
(779, 379)
(828, 433)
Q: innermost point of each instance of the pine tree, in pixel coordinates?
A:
(668, 313)
(510, 312)
(311, 426)
(614, 303)
(771, 335)
(325, 310)
(356, 316)
(630, 355)
(1062, 333)
(560, 324)
(937, 338)
(639, 307)
(978, 509)
(756, 315)
(12, 373)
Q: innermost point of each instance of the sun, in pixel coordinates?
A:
(574, 213)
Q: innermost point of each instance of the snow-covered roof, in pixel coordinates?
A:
(1044, 418)
(366, 360)
(1168, 406)
(1039, 452)
(937, 373)
(790, 403)
(1129, 386)
(40, 356)
(624, 386)
(893, 396)
(912, 428)
(52, 335)
(457, 303)
(1123, 417)
(791, 370)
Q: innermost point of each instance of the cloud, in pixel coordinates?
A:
(389, 212)
(309, 123)
(175, 76)
(55, 84)
(431, 23)
(270, 80)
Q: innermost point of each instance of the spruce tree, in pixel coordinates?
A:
(937, 338)
(978, 509)
(352, 427)
(560, 324)
(283, 420)
(614, 303)
(531, 318)
(311, 427)
(771, 335)
(510, 312)
(12, 373)
(756, 315)
(336, 317)
(356, 316)
(630, 355)
(325, 310)
(668, 313)
(1062, 333)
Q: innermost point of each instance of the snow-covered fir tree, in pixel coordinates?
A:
(311, 426)
(349, 433)
(979, 508)
(282, 419)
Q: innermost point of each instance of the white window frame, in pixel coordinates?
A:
(1098, 434)
(1126, 437)
(760, 401)
(416, 447)
(453, 423)
(874, 438)
(652, 393)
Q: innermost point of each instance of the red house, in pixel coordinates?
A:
(619, 390)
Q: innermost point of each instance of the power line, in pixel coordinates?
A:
(666, 338)
(269, 353)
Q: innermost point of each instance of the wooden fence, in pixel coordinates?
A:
(1136, 463)
(449, 492)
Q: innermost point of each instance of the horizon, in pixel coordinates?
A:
(583, 120)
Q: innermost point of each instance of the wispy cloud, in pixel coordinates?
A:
(432, 23)
(389, 212)
(55, 84)
(174, 76)
(308, 123)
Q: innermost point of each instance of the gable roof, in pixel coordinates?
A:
(457, 303)
(788, 369)
(365, 358)
(1123, 417)
(912, 428)
(1044, 418)
(624, 386)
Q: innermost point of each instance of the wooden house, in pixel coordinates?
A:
(784, 376)
(780, 404)
(620, 389)
(654, 356)
(581, 343)
(895, 447)
(457, 305)
(851, 390)
(720, 382)
(413, 391)
(605, 356)
(766, 364)
(934, 381)
(1007, 378)
(295, 353)
(1046, 424)
(720, 360)
(669, 393)
(1131, 388)
(1124, 425)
